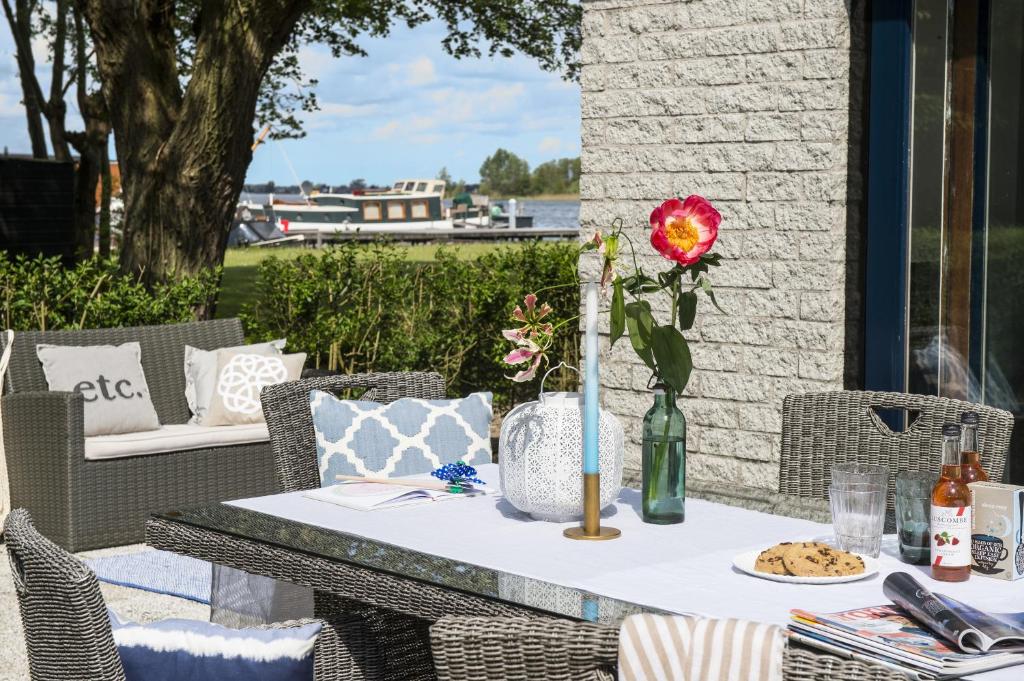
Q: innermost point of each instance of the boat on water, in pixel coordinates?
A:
(409, 205)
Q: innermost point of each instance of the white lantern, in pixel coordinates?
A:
(540, 454)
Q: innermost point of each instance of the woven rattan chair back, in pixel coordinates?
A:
(529, 648)
(67, 631)
(292, 438)
(820, 430)
(163, 357)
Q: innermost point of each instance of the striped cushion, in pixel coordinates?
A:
(180, 650)
(662, 647)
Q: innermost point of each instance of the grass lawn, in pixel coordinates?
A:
(240, 267)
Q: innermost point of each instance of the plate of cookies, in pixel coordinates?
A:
(806, 562)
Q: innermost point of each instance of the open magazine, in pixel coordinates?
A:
(922, 634)
(971, 630)
(372, 496)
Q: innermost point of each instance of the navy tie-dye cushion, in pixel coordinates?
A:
(190, 650)
(405, 437)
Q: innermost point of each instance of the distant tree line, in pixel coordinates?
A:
(506, 174)
(502, 173)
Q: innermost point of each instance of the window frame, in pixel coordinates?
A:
(400, 204)
(380, 211)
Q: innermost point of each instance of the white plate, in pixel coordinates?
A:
(745, 563)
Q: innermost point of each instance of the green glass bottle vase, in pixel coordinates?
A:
(664, 460)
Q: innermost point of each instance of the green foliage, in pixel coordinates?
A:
(357, 307)
(504, 173)
(561, 176)
(41, 293)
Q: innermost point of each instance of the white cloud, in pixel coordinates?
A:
(415, 73)
(40, 50)
(550, 145)
(341, 110)
(10, 106)
(421, 72)
(316, 62)
(386, 131)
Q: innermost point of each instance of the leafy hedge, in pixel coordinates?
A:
(41, 293)
(366, 308)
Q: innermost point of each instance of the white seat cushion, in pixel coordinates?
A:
(173, 438)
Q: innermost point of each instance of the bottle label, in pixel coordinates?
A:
(951, 536)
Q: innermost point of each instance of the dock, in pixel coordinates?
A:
(445, 235)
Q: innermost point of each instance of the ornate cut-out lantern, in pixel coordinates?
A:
(540, 454)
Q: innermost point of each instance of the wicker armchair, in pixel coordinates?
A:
(820, 430)
(292, 438)
(67, 630)
(526, 648)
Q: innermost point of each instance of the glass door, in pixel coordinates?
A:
(965, 223)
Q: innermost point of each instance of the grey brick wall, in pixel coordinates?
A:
(758, 106)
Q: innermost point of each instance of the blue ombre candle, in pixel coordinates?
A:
(591, 415)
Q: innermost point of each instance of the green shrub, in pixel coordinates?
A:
(41, 293)
(359, 308)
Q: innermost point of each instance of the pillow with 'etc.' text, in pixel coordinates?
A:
(406, 437)
(111, 381)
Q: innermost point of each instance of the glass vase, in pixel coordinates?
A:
(664, 460)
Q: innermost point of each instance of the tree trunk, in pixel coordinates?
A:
(107, 188)
(183, 155)
(19, 19)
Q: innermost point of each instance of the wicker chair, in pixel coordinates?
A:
(391, 644)
(292, 438)
(67, 630)
(85, 504)
(525, 648)
(820, 430)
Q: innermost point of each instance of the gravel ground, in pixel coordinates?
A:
(133, 604)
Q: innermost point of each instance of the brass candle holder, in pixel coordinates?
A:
(592, 528)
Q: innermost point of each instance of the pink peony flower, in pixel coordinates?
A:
(684, 230)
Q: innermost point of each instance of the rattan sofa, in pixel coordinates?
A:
(84, 504)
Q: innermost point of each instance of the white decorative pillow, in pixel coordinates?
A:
(241, 377)
(110, 379)
(201, 373)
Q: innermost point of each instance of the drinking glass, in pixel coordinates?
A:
(860, 473)
(913, 513)
(858, 517)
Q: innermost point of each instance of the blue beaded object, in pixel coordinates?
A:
(459, 475)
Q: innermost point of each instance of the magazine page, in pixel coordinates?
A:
(888, 633)
(971, 630)
(887, 626)
(371, 496)
(996, 631)
(908, 593)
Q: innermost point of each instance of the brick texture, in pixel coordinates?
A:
(758, 106)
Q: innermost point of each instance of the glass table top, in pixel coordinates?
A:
(544, 597)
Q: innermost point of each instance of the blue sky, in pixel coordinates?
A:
(405, 110)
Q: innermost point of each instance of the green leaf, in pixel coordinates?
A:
(687, 310)
(713, 259)
(639, 323)
(672, 353)
(711, 295)
(618, 313)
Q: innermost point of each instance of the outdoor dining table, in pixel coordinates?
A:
(480, 556)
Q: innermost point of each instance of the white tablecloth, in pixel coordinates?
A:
(683, 568)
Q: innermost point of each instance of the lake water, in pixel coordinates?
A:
(545, 213)
(552, 213)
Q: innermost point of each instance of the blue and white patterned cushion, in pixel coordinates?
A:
(190, 650)
(405, 437)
